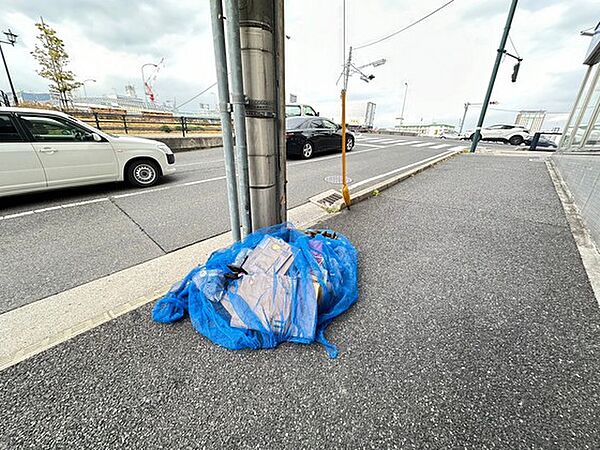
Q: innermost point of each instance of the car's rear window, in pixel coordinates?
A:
(8, 132)
(294, 123)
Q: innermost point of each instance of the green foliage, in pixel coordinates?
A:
(53, 59)
(165, 128)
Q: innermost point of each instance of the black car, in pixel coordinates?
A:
(543, 142)
(306, 136)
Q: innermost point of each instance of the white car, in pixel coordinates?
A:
(513, 134)
(294, 110)
(42, 150)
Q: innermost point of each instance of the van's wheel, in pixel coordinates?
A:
(516, 140)
(143, 173)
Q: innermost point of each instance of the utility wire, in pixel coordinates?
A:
(513, 46)
(405, 28)
(198, 95)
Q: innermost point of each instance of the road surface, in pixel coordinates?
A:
(54, 241)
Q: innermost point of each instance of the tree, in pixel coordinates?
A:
(53, 59)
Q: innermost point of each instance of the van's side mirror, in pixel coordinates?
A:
(96, 137)
(318, 113)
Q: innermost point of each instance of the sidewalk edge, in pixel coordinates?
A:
(585, 244)
(374, 190)
(41, 325)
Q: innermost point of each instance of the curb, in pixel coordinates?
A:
(374, 190)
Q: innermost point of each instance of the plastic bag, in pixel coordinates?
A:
(277, 285)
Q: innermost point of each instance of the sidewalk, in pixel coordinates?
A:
(476, 327)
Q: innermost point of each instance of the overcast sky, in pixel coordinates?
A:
(446, 59)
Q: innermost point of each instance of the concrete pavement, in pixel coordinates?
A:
(476, 327)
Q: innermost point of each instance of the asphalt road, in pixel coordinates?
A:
(476, 328)
(57, 240)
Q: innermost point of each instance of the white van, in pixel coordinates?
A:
(41, 150)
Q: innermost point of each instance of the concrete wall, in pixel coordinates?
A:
(182, 144)
(581, 173)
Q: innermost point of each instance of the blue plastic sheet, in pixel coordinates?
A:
(266, 307)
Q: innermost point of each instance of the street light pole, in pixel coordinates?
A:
(83, 85)
(462, 122)
(488, 94)
(404, 102)
(12, 38)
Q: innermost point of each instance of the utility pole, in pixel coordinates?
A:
(12, 38)
(238, 100)
(216, 13)
(262, 37)
(488, 94)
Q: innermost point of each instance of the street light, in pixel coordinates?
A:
(350, 69)
(83, 85)
(467, 104)
(404, 102)
(12, 38)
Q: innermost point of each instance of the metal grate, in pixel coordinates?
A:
(327, 199)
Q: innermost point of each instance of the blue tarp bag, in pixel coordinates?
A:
(277, 285)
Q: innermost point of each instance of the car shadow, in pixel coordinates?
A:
(74, 194)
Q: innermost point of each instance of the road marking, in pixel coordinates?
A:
(368, 145)
(400, 169)
(411, 142)
(441, 146)
(375, 139)
(424, 144)
(389, 141)
(199, 162)
(105, 199)
(189, 183)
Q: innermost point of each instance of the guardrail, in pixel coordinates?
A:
(147, 124)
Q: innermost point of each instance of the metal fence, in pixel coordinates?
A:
(148, 124)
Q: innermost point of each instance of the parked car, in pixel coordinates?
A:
(295, 110)
(42, 150)
(513, 134)
(450, 135)
(543, 142)
(306, 136)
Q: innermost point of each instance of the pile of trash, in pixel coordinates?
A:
(279, 284)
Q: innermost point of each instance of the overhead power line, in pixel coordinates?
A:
(405, 28)
(513, 46)
(198, 95)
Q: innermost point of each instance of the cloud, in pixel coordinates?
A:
(446, 59)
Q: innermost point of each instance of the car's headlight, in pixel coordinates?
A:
(165, 148)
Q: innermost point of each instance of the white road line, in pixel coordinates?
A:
(411, 142)
(193, 183)
(441, 146)
(85, 202)
(400, 169)
(389, 141)
(105, 199)
(199, 163)
(368, 145)
(374, 139)
(458, 147)
(424, 144)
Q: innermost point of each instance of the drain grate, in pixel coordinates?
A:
(337, 179)
(327, 199)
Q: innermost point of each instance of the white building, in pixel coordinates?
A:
(432, 129)
(531, 120)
